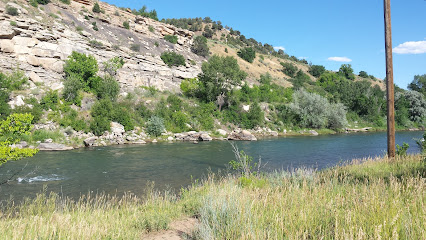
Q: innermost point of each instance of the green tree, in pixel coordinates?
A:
(12, 129)
(316, 70)
(289, 69)
(108, 88)
(247, 54)
(347, 71)
(173, 59)
(363, 74)
(218, 76)
(84, 68)
(418, 84)
(199, 46)
(171, 38)
(96, 8)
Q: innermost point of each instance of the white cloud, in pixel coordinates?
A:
(411, 48)
(339, 59)
(279, 48)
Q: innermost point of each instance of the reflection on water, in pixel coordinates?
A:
(118, 169)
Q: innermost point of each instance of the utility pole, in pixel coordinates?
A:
(389, 80)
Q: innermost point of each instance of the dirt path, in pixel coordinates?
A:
(178, 230)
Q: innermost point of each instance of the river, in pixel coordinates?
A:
(128, 168)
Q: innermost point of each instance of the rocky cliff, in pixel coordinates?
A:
(39, 40)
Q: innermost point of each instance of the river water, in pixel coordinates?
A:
(128, 168)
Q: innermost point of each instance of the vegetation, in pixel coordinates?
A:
(200, 47)
(173, 59)
(247, 54)
(289, 69)
(418, 84)
(316, 70)
(171, 38)
(135, 47)
(96, 8)
(126, 25)
(144, 13)
(155, 126)
(12, 11)
(43, 2)
(65, 1)
(380, 198)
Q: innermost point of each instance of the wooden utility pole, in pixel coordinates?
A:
(389, 80)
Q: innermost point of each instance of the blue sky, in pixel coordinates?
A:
(326, 32)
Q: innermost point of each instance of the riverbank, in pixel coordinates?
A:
(374, 198)
(50, 137)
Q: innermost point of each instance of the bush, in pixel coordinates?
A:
(50, 100)
(111, 66)
(155, 126)
(363, 74)
(65, 1)
(316, 70)
(96, 8)
(95, 44)
(108, 88)
(72, 87)
(151, 29)
(316, 112)
(43, 2)
(173, 59)
(12, 11)
(135, 47)
(347, 71)
(247, 54)
(200, 47)
(190, 87)
(13, 23)
(126, 25)
(289, 69)
(99, 125)
(171, 38)
(33, 3)
(95, 27)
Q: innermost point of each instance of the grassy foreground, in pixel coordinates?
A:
(375, 198)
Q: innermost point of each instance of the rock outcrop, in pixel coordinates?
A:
(241, 135)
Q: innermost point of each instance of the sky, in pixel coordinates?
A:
(326, 32)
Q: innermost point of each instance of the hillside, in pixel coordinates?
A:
(91, 71)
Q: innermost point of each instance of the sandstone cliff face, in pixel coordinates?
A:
(39, 40)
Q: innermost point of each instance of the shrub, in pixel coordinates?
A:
(12, 11)
(316, 70)
(99, 125)
(111, 66)
(247, 54)
(126, 25)
(171, 38)
(347, 71)
(200, 47)
(155, 126)
(135, 47)
(33, 3)
(289, 69)
(13, 23)
(173, 59)
(72, 87)
(50, 100)
(316, 112)
(43, 2)
(65, 1)
(96, 8)
(156, 44)
(190, 87)
(95, 44)
(108, 88)
(79, 29)
(95, 26)
(363, 74)
(151, 29)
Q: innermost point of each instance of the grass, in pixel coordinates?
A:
(366, 199)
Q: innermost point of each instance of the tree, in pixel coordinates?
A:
(84, 68)
(363, 74)
(11, 130)
(96, 8)
(173, 59)
(316, 70)
(247, 54)
(200, 47)
(418, 84)
(347, 71)
(218, 76)
(289, 69)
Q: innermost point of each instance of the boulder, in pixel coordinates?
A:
(6, 32)
(117, 128)
(222, 132)
(204, 137)
(7, 46)
(313, 132)
(33, 61)
(241, 135)
(35, 78)
(53, 147)
(170, 138)
(90, 141)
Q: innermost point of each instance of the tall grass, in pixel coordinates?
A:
(370, 199)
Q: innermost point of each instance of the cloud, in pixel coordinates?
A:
(339, 59)
(411, 48)
(279, 48)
